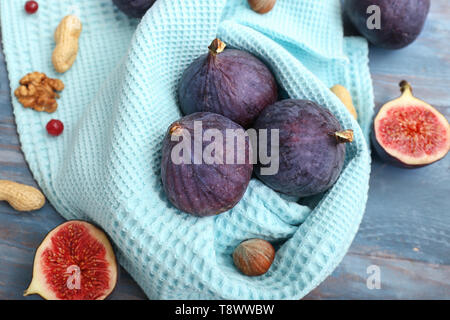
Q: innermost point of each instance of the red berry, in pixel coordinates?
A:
(31, 7)
(55, 127)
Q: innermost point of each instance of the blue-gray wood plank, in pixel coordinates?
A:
(406, 227)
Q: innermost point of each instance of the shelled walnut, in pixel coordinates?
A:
(39, 92)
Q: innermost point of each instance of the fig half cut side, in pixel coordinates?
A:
(409, 132)
(75, 261)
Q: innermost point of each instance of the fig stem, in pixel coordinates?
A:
(216, 47)
(175, 130)
(344, 136)
(405, 86)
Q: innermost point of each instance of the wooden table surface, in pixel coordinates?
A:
(406, 227)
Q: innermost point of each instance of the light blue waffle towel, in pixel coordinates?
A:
(120, 97)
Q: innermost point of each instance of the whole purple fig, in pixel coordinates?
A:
(134, 8)
(311, 148)
(206, 163)
(389, 24)
(229, 82)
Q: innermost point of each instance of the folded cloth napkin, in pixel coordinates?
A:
(120, 97)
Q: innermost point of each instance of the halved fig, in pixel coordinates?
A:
(410, 133)
(75, 261)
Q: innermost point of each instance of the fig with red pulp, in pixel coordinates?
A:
(229, 82)
(200, 186)
(311, 147)
(75, 261)
(409, 133)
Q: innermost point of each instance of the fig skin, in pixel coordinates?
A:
(401, 160)
(134, 8)
(385, 157)
(204, 189)
(401, 21)
(311, 157)
(229, 82)
(39, 284)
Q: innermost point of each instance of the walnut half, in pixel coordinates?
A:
(37, 91)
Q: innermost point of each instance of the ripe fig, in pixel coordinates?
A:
(390, 24)
(409, 133)
(229, 82)
(75, 261)
(311, 147)
(208, 171)
(134, 8)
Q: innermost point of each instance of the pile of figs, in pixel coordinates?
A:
(234, 123)
(232, 114)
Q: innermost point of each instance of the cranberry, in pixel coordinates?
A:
(31, 7)
(55, 127)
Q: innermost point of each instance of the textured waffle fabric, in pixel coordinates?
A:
(120, 97)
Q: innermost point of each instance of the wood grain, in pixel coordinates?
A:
(21, 233)
(406, 227)
(400, 279)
